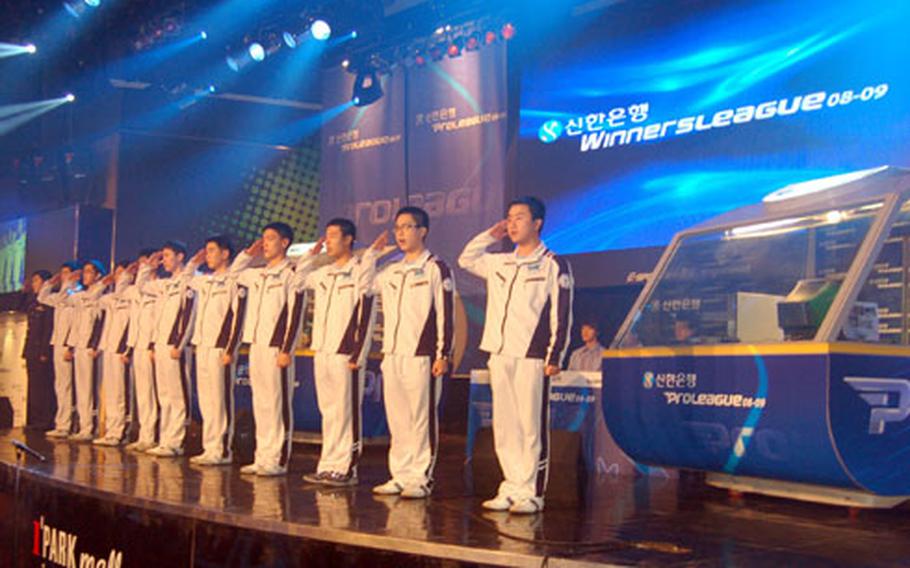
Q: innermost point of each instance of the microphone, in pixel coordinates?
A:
(23, 448)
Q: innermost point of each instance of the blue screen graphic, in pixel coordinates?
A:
(651, 119)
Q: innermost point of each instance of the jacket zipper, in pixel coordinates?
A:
(328, 306)
(505, 311)
(398, 317)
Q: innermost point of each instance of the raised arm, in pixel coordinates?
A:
(474, 257)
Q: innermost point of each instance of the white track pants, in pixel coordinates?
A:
(411, 396)
(215, 389)
(114, 390)
(339, 393)
(521, 424)
(86, 371)
(63, 388)
(173, 397)
(272, 389)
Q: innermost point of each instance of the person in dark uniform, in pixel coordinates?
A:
(37, 354)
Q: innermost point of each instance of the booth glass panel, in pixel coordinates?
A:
(756, 283)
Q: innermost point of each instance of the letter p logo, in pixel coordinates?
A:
(878, 394)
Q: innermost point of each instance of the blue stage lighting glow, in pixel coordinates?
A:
(354, 34)
(69, 97)
(93, 3)
(232, 63)
(212, 88)
(289, 39)
(321, 30)
(203, 35)
(257, 52)
(356, 101)
(31, 48)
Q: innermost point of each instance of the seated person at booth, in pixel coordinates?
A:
(685, 328)
(588, 356)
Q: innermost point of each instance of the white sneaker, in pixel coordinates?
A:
(57, 434)
(271, 471)
(249, 469)
(203, 459)
(416, 492)
(498, 503)
(527, 506)
(390, 487)
(138, 446)
(82, 437)
(106, 441)
(165, 452)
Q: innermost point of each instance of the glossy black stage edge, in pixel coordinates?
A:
(112, 508)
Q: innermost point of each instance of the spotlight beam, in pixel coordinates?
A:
(13, 122)
(11, 49)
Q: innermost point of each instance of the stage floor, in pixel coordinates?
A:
(223, 518)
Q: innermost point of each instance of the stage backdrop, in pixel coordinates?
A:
(436, 139)
(12, 255)
(212, 187)
(647, 119)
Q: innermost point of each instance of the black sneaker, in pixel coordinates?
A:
(336, 479)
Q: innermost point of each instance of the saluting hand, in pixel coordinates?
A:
(255, 249)
(317, 248)
(500, 229)
(380, 241)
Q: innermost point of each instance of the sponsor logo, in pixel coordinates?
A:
(889, 399)
(57, 547)
(550, 131)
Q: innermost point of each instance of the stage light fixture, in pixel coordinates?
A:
(454, 50)
(321, 30)
(93, 3)
(367, 89)
(489, 38)
(472, 43)
(290, 39)
(354, 34)
(203, 35)
(69, 97)
(346, 63)
(31, 48)
(508, 31)
(257, 52)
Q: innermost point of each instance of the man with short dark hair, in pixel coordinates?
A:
(37, 354)
(342, 325)
(526, 332)
(83, 341)
(115, 319)
(271, 325)
(143, 317)
(176, 307)
(216, 337)
(589, 356)
(418, 331)
(55, 292)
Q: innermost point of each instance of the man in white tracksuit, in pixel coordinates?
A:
(342, 328)
(112, 344)
(83, 340)
(418, 327)
(176, 307)
(216, 337)
(526, 333)
(271, 324)
(63, 363)
(143, 315)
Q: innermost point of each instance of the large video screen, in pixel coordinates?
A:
(12, 255)
(654, 116)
